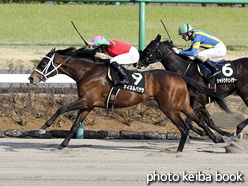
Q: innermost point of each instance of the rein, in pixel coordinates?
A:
(166, 55)
(51, 62)
(154, 50)
(187, 66)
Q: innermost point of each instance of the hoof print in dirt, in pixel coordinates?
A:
(16, 133)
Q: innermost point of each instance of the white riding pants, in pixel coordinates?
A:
(128, 58)
(218, 51)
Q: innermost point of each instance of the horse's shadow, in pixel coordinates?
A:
(168, 146)
(17, 146)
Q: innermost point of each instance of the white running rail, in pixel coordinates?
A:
(23, 78)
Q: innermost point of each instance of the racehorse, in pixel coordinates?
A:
(168, 89)
(162, 51)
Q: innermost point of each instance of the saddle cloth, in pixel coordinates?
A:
(228, 73)
(136, 84)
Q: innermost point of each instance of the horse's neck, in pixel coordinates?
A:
(175, 64)
(79, 69)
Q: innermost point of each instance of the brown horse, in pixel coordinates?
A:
(162, 51)
(169, 90)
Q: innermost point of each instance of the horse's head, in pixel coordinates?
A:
(155, 51)
(45, 69)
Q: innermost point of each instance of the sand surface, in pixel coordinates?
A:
(31, 162)
(28, 162)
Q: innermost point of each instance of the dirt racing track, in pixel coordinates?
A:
(38, 162)
(27, 162)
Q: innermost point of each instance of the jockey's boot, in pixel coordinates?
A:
(214, 70)
(121, 73)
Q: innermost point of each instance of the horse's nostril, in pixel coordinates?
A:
(30, 79)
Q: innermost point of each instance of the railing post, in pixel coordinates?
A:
(80, 131)
(142, 10)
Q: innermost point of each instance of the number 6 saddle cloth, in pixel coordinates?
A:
(228, 73)
(136, 84)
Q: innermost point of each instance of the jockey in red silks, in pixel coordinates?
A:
(121, 53)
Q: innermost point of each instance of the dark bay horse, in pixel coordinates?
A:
(162, 51)
(168, 89)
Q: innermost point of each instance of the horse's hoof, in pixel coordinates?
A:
(220, 139)
(62, 146)
(227, 139)
(240, 136)
(228, 134)
(41, 131)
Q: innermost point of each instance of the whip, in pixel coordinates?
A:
(166, 31)
(79, 33)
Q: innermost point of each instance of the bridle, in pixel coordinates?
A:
(51, 63)
(151, 59)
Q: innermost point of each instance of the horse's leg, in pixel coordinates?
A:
(80, 118)
(188, 111)
(242, 92)
(177, 121)
(208, 119)
(192, 127)
(215, 138)
(182, 127)
(78, 104)
(195, 105)
(184, 135)
(167, 107)
(241, 126)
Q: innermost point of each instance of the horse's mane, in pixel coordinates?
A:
(75, 52)
(81, 53)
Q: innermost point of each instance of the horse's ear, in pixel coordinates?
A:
(171, 42)
(53, 50)
(158, 37)
(49, 54)
(140, 53)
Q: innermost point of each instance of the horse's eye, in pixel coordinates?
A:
(43, 64)
(148, 51)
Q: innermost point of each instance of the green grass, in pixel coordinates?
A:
(43, 26)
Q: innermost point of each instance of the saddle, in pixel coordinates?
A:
(136, 84)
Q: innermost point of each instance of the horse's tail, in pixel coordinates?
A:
(207, 91)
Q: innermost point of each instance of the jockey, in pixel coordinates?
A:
(214, 46)
(121, 53)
